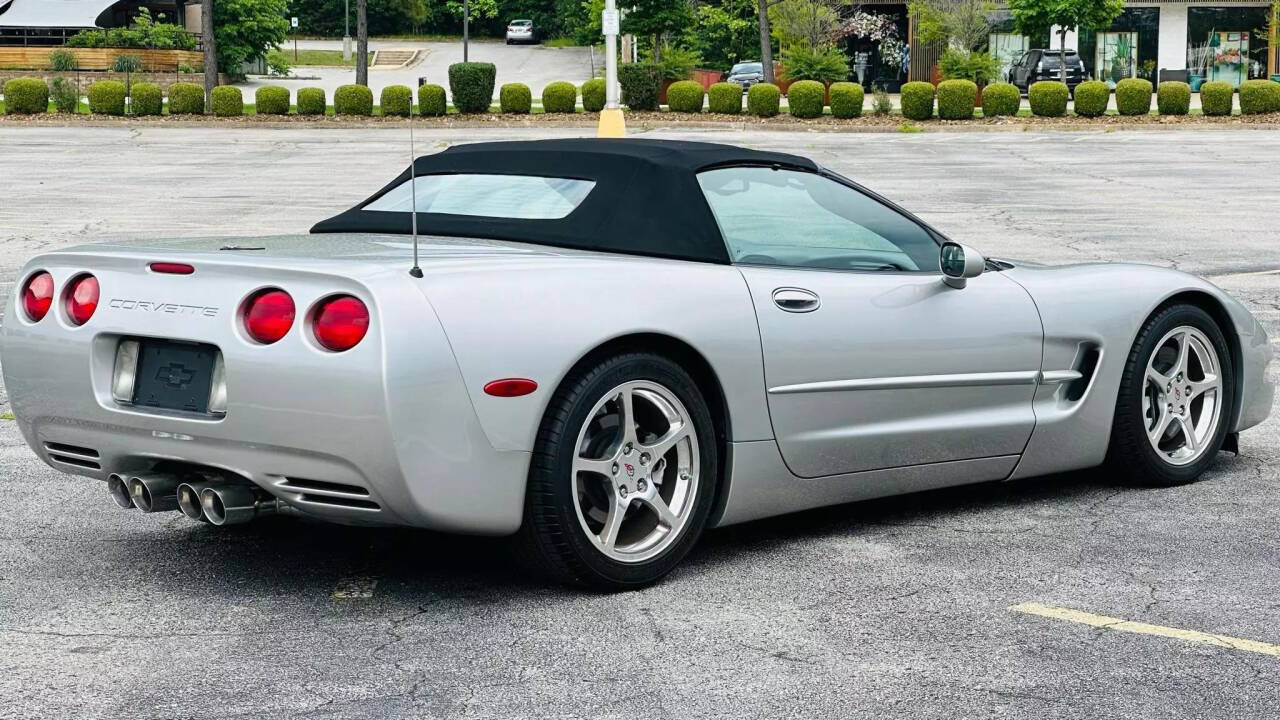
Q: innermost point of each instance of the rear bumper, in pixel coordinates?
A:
(384, 433)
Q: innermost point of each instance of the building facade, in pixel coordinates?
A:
(50, 22)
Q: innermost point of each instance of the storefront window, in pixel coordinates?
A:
(1129, 48)
(1116, 57)
(1007, 48)
(1227, 44)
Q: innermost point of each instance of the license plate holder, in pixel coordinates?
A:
(174, 375)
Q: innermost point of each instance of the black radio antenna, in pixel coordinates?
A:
(413, 195)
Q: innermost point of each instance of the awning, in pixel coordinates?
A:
(52, 13)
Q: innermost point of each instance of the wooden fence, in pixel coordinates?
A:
(37, 58)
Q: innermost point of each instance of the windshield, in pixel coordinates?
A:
(524, 197)
(744, 68)
(521, 22)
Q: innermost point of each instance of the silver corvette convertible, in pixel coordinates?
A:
(605, 347)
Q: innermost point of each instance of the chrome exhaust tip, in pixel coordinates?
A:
(234, 504)
(154, 493)
(119, 490)
(189, 499)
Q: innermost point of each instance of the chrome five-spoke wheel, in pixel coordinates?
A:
(636, 471)
(1182, 399)
(623, 475)
(1174, 405)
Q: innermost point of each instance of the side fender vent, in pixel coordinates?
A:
(1087, 365)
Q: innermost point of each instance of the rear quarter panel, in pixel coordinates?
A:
(537, 318)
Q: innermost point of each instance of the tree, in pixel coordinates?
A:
(657, 20)
(805, 22)
(362, 42)
(726, 33)
(1035, 17)
(960, 24)
(246, 30)
(207, 37)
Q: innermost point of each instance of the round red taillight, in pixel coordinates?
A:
(268, 315)
(340, 322)
(37, 296)
(82, 299)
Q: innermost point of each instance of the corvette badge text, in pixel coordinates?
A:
(159, 307)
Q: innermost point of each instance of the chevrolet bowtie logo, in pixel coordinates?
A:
(175, 375)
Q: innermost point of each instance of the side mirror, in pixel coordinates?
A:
(959, 263)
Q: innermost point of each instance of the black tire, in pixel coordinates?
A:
(552, 541)
(1130, 454)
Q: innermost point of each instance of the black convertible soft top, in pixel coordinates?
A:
(646, 200)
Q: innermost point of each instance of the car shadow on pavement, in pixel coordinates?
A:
(280, 556)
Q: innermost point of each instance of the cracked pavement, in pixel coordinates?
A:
(892, 608)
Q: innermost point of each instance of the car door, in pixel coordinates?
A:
(871, 360)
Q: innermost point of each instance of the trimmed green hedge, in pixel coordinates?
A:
(1133, 96)
(26, 96)
(186, 99)
(560, 97)
(1216, 98)
(846, 99)
(957, 99)
(1092, 98)
(146, 99)
(227, 101)
(806, 98)
(763, 100)
(396, 101)
(917, 101)
(640, 84)
(724, 98)
(271, 100)
(593, 95)
(432, 100)
(685, 96)
(1048, 98)
(311, 101)
(1259, 96)
(106, 97)
(515, 98)
(471, 84)
(1173, 98)
(352, 100)
(1001, 99)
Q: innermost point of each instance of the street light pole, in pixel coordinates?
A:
(466, 27)
(611, 120)
(346, 31)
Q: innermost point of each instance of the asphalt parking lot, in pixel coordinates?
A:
(894, 608)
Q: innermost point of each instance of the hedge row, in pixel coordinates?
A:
(472, 83)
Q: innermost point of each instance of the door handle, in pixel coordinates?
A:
(796, 300)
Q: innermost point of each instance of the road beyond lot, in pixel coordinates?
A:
(894, 608)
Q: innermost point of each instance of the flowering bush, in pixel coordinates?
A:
(872, 26)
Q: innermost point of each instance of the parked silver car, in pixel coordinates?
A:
(520, 31)
(606, 347)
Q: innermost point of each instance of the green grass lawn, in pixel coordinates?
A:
(314, 58)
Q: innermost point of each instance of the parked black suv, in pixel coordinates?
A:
(1039, 65)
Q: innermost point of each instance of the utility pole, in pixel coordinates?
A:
(611, 120)
(466, 27)
(210, 53)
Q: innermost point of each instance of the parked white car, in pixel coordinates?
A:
(520, 31)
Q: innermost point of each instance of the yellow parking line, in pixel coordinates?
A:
(1121, 625)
